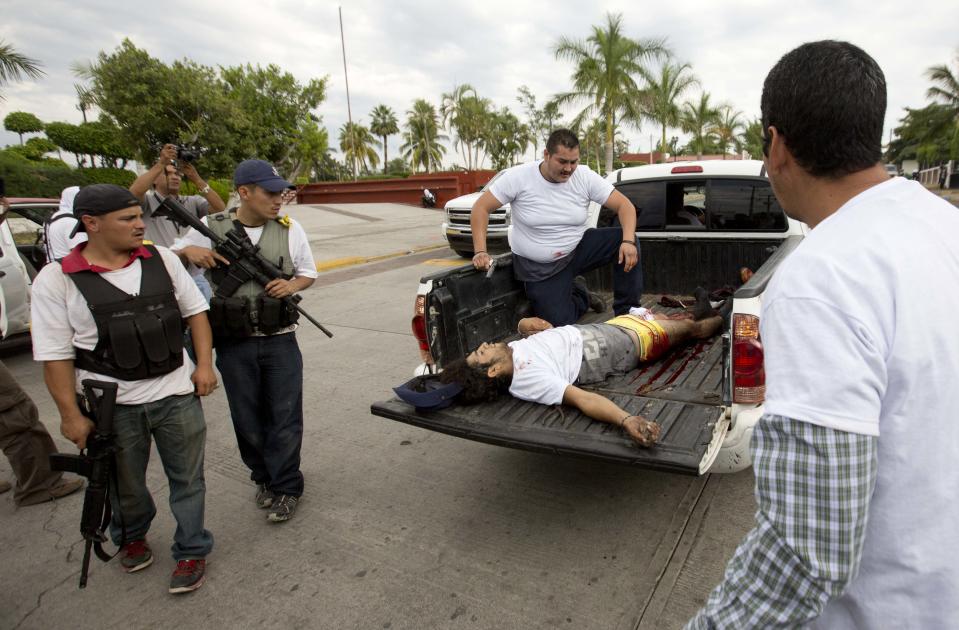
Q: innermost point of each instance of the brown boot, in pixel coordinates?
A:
(4, 486)
(57, 491)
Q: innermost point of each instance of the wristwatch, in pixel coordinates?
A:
(205, 190)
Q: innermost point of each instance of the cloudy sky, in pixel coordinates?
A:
(404, 49)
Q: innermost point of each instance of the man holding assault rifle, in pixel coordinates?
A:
(112, 311)
(253, 321)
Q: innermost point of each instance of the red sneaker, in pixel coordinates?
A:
(188, 576)
(136, 555)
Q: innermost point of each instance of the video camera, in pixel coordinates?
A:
(187, 153)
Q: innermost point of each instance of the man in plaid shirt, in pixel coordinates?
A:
(855, 458)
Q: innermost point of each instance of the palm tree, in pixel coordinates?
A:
(753, 139)
(15, 66)
(946, 89)
(659, 101)
(357, 145)
(464, 112)
(383, 123)
(727, 128)
(423, 141)
(606, 64)
(698, 119)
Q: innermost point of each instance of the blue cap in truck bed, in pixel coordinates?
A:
(428, 393)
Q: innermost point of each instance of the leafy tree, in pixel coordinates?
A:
(728, 128)
(945, 89)
(275, 106)
(310, 150)
(14, 66)
(384, 124)
(67, 137)
(357, 145)
(660, 100)
(698, 118)
(506, 138)
(468, 115)
(21, 123)
(398, 166)
(606, 64)
(34, 150)
(753, 139)
(540, 121)
(924, 135)
(231, 113)
(103, 138)
(423, 146)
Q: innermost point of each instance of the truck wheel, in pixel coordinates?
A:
(465, 253)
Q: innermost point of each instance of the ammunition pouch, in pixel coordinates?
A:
(239, 317)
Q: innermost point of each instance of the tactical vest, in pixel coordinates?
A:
(140, 336)
(248, 311)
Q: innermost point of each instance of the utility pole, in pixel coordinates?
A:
(349, 114)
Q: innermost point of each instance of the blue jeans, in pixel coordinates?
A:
(263, 377)
(176, 424)
(556, 300)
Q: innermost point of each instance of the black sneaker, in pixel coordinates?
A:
(283, 508)
(264, 496)
(135, 556)
(188, 576)
(596, 303)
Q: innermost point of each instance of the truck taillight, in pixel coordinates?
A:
(419, 329)
(749, 375)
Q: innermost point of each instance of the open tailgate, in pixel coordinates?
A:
(690, 439)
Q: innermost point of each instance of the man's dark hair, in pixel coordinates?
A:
(828, 100)
(561, 137)
(477, 385)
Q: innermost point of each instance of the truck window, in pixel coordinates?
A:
(686, 205)
(649, 199)
(746, 205)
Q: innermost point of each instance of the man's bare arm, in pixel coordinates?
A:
(62, 383)
(479, 222)
(643, 432)
(626, 211)
(144, 182)
(203, 377)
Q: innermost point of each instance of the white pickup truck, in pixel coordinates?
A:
(698, 224)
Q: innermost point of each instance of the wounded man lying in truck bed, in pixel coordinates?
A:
(548, 363)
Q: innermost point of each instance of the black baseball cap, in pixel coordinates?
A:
(98, 199)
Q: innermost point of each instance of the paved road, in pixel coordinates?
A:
(399, 527)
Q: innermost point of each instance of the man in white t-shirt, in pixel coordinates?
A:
(550, 363)
(112, 311)
(59, 235)
(256, 349)
(549, 202)
(855, 457)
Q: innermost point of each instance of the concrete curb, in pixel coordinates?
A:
(349, 261)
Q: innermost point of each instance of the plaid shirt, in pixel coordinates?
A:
(813, 486)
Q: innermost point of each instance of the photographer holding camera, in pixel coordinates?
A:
(164, 179)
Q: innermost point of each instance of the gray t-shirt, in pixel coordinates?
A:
(163, 231)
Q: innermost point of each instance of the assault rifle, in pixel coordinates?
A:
(98, 464)
(246, 261)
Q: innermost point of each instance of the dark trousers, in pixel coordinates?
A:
(559, 302)
(25, 442)
(263, 377)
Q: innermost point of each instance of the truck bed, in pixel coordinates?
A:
(682, 392)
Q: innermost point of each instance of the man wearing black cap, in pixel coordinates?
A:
(257, 353)
(112, 310)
